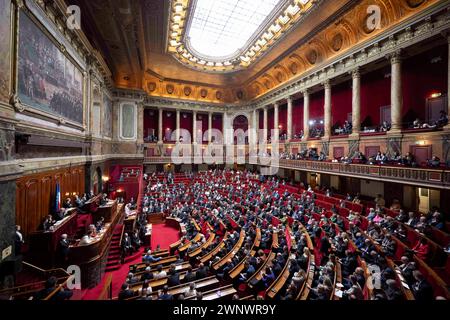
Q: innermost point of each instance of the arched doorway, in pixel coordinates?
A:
(240, 127)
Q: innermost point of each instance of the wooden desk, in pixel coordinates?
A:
(214, 251)
(207, 243)
(230, 254)
(216, 294)
(148, 234)
(44, 244)
(92, 257)
(107, 211)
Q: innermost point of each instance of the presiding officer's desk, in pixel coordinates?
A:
(44, 244)
(92, 257)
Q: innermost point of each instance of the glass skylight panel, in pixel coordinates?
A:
(221, 28)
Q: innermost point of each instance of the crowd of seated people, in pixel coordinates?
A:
(345, 129)
(218, 197)
(151, 138)
(381, 158)
(441, 122)
(306, 154)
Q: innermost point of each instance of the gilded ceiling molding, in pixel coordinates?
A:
(338, 39)
(289, 13)
(414, 33)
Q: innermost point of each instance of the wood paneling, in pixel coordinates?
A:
(35, 194)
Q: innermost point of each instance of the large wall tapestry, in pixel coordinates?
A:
(107, 116)
(48, 81)
(5, 49)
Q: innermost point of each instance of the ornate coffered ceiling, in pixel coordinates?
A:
(133, 37)
(184, 16)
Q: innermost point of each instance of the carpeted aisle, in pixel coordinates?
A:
(161, 234)
(164, 236)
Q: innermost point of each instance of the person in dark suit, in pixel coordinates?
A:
(165, 294)
(125, 292)
(393, 292)
(67, 204)
(202, 272)
(48, 223)
(349, 263)
(173, 278)
(50, 286)
(249, 270)
(18, 241)
(421, 288)
(64, 248)
(148, 275)
(189, 276)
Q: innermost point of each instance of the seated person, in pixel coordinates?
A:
(421, 249)
(434, 162)
(417, 124)
(104, 200)
(150, 258)
(99, 224)
(50, 286)
(67, 204)
(421, 288)
(385, 127)
(48, 223)
(443, 119)
(125, 292)
(59, 215)
(85, 240)
(78, 201)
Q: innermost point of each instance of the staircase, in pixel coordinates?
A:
(114, 253)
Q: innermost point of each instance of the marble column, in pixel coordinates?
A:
(396, 92)
(265, 123)
(276, 122)
(289, 118)
(448, 81)
(305, 114)
(194, 127)
(160, 125)
(255, 126)
(177, 126)
(327, 109)
(356, 101)
(210, 126)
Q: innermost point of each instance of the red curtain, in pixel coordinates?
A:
(282, 118)
(150, 122)
(316, 105)
(169, 123)
(341, 102)
(423, 75)
(217, 122)
(297, 116)
(186, 121)
(375, 93)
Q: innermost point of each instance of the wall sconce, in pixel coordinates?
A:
(119, 190)
(436, 95)
(420, 142)
(105, 179)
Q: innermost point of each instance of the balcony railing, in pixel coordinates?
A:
(438, 178)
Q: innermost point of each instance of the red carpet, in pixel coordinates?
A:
(161, 234)
(164, 236)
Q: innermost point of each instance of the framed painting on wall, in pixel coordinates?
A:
(48, 81)
(5, 50)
